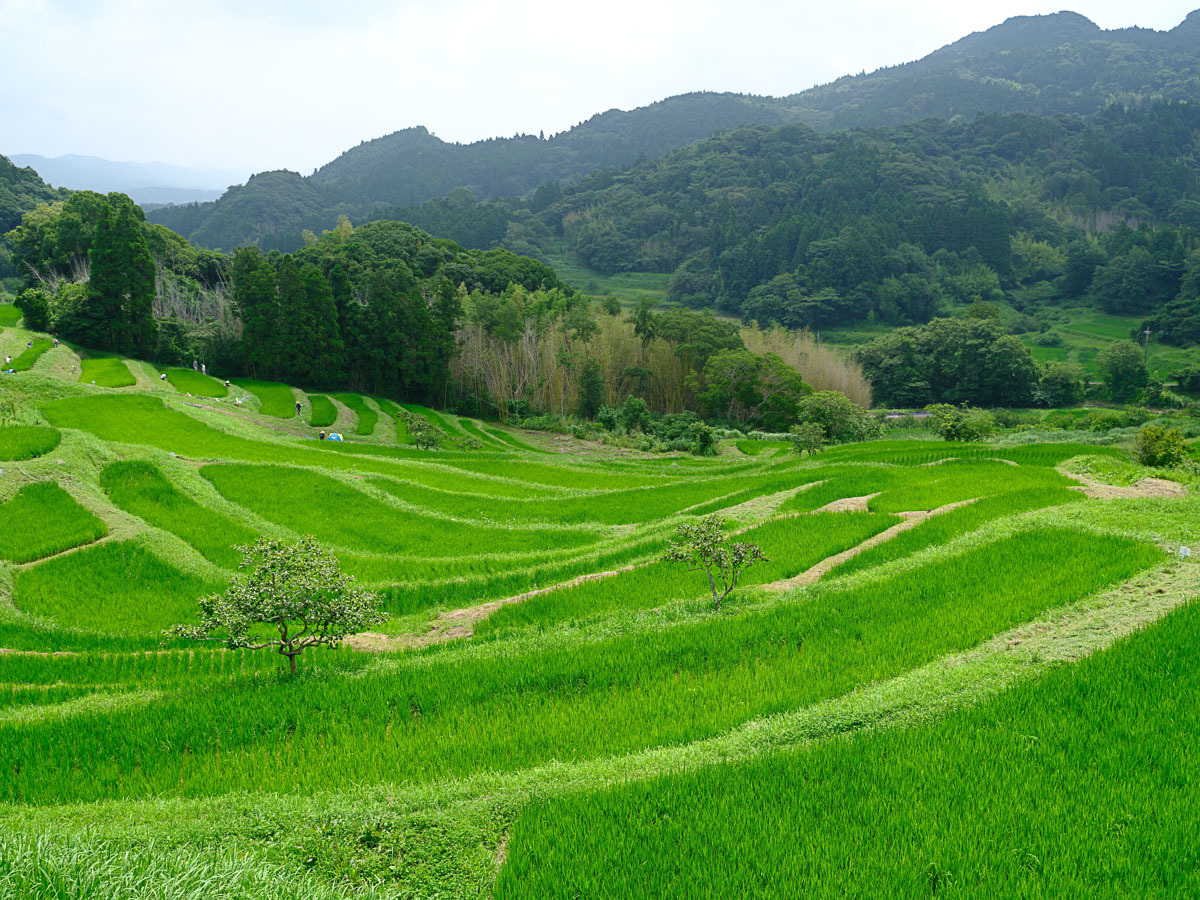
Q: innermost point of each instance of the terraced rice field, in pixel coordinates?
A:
(955, 673)
(105, 371)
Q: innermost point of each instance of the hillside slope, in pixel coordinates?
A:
(1046, 65)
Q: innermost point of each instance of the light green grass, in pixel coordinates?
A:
(24, 362)
(141, 490)
(324, 413)
(105, 371)
(43, 519)
(357, 404)
(983, 803)
(114, 588)
(187, 381)
(18, 442)
(274, 399)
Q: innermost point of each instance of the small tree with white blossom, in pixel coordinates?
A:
(296, 588)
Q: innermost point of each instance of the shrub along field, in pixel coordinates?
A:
(927, 687)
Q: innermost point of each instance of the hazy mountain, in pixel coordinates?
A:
(1046, 65)
(153, 182)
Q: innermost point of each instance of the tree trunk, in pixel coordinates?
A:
(292, 662)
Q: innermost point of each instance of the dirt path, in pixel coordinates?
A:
(460, 623)
(911, 520)
(851, 504)
(1147, 487)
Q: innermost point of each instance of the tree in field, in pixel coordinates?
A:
(1124, 367)
(704, 548)
(296, 589)
(960, 423)
(1160, 445)
(808, 437)
(841, 419)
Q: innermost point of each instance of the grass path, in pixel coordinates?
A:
(815, 573)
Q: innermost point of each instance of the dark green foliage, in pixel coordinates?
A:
(1160, 445)
(591, 390)
(119, 312)
(840, 418)
(20, 191)
(965, 360)
(34, 304)
(1124, 368)
(43, 519)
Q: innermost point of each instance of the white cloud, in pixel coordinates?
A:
(292, 83)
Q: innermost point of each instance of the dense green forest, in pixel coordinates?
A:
(20, 191)
(1044, 65)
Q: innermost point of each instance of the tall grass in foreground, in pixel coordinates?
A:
(43, 519)
(273, 399)
(39, 868)
(141, 489)
(18, 442)
(115, 588)
(444, 712)
(1081, 785)
(105, 371)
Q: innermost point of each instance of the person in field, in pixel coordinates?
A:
(297, 407)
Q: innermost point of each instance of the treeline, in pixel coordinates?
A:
(808, 230)
(388, 310)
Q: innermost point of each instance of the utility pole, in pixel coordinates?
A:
(1146, 354)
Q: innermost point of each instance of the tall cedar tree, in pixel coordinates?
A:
(119, 314)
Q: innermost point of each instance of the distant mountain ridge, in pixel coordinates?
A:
(1046, 65)
(153, 182)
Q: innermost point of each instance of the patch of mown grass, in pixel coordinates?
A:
(105, 371)
(324, 413)
(29, 356)
(18, 442)
(312, 503)
(273, 399)
(443, 713)
(357, 404)
(985, 802)
(141, 489)
(187, 381)
(115, 588)
(43, 519)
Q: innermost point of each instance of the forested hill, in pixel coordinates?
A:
(1047, 65)
(20, 191)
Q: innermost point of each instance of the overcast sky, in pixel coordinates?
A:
(266, 84)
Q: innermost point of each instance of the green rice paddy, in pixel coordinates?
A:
(105, 371)
(187, 381)
(324, 413)
(930, 686)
